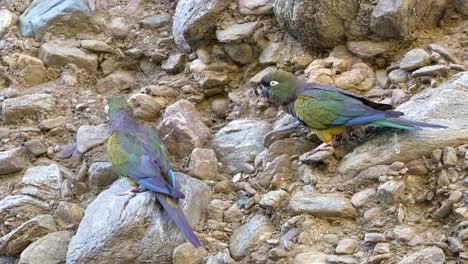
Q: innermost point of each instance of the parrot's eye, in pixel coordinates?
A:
(274, 83)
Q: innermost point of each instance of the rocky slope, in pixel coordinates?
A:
(255, 194)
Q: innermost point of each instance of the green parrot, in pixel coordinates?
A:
(137, 153)
(328, 110)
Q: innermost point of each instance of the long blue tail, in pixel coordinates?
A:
(402, 123)
(175, 213)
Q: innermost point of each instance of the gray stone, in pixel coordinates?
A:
(115, 227)
(211, 75)
(368, 49)
(390, 191)
(7, 19)
(374, 237)
(22, 204)
(50, 249)
(68, 215)
(317, 24)
(417, 167)
(19, 238)
(432, 70)
(341, 259)
(119, 28)
(403, 233)
(398, 96)
(4, 132)
(311, 258)
(455, 245)
(462, 6)
(289, 146)
(56, 56)
(222, 257)
(315, 156)
(187, 254)
(43, 181)
(182, 129)
(7, 260)
(236, 32)
(272, 53)
(347, 246)
(398, 19)
(444, 52)
(415, 59)
(240, 53)
(194, 20)
(36, 147)
(156, 21)
(361, 198)
(382, 248)
(255, 7)
(220, 106)
(457, 67)
(449, 157)
(279, 166)
(101, 174)
(88, 136)
(160, 91)
(17, 109)
(203, 164)
(13, 160)
(52, 15)
(175, 63)
(217, 208)
(322, 205)
(118, 80)
(398, 76)
(444, 105)
(239, 142)
(274, 199)
(430, 255)
(204, 55)
(49, 124)
(147, 107)
(96, 45)
(250, 236)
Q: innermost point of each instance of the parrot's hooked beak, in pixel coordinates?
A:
(264, 90)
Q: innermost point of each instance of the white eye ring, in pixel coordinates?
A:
(273, 83)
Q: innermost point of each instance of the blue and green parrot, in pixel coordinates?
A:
(328, 110)
(137, 153)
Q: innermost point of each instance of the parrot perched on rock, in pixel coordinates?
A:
(137, 153)
(328, 110)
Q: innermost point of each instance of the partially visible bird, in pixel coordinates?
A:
(137, 153)
(328, 110)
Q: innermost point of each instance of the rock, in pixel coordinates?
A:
(462, 6)
(455, 245)
(217, 208)
(57, 56)
(239, 142)
(49, 124)
(7, 260)
(311, 258)
(390, 191)
(220, 258)
(51, 248)
(279, 166)
(361, 198)
(457, 67)
(403, 233)
(398, 96)
(250, 236)
(449, 157)
(341, 259)
(96, 46)
(272, 53)
(88, 136)
(220, 106)
(48, 179)
(289, 146)
(119, 28)
(274, 199)
(116, 227)
(68, 215)
(360, 78)
(415, 59)
(51, 16)
(17, 109)
(7, 19)
(187, 254)
(382, 248)
(368, 49)
(29, 70)
(430, 255)
(240, 53)
(315, 156)
(13, 160)
(236, 32)
(347, 246)
(175, 63)
(118, 80)
(182, 129)
(311, 22)
(417, 167)
(19, 238)
(322, 205)
(22, 204)
(374, 237)
(204, 55)
(398, 76)
(444, 52)
(194, 20)
(399, 19)
(160, 91)
(101, 174)
(212, 75)
(36, 147)
(156, 21)
(234, 214)
(441, 106)
(203, 164)
(432, 70)
(146, 107)
(4, 132)
(255, 7)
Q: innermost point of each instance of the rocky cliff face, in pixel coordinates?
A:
(255, 194)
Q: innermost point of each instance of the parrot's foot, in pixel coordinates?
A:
(323, 147)
(131, 192)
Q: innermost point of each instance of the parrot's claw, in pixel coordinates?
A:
(323, 147)
(131, 192)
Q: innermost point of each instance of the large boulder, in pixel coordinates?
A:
(316, 23)
(65, 17)
(118, 229)
(445, 105)
(194, 20)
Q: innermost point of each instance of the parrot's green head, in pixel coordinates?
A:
(279, 86)
(117, 104)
